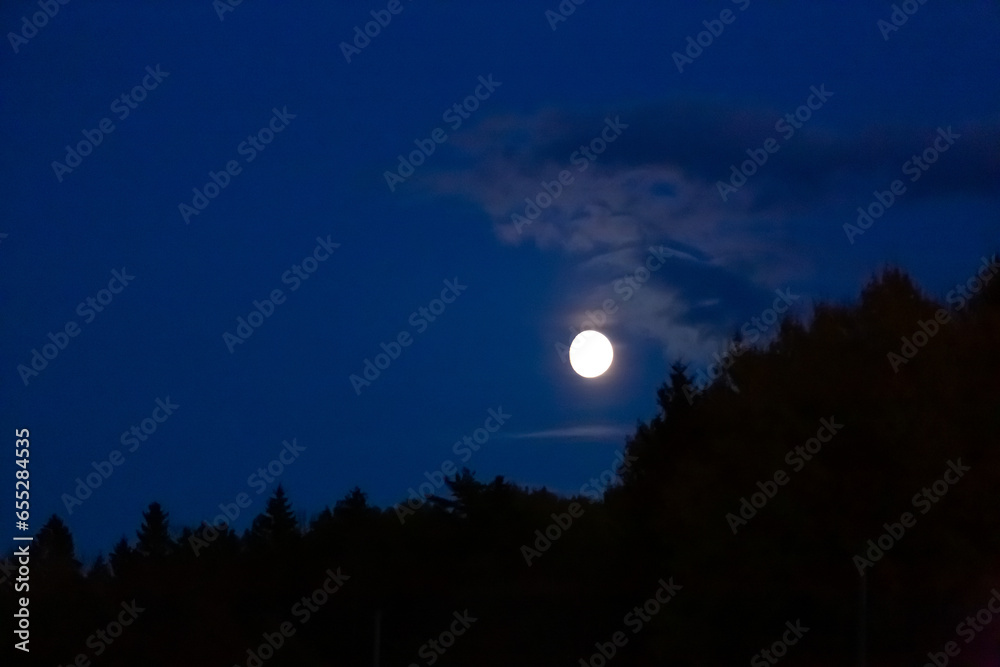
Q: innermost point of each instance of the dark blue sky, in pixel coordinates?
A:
(335, 128)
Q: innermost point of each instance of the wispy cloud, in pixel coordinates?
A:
(587, 432)
(658, 180)
(656, 184)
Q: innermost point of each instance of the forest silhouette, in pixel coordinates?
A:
(774, 495)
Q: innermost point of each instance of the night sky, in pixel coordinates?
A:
(245, 153)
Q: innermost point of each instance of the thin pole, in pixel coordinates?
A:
(378, 633)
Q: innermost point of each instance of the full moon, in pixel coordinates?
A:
(590, 354)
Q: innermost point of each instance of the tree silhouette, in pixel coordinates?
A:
(100, 571)
(154, 534)
(353, 506)
(681, 510)
(121, 558)
(277, 526)
(54, 547)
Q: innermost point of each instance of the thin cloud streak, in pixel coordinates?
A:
(586, 432)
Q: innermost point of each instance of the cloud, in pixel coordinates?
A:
(587, 432)
(659, 178)
(656, 184)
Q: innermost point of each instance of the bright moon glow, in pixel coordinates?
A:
(590, 354)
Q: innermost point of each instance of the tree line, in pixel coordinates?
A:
(816, 482)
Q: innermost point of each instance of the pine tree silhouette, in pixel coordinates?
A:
(277, 525)
(54, 547)
(154, 534)
(100, 572)
(121, 558)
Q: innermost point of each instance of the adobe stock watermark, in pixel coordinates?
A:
(626, 286)
(362, 38)
(221, 7)
(968, 629)
(786, 125)
(293, 277)
(122, 106)
(581, 159)
(900, 14)
(593, 489)
(563, 11)
(713, 29)
(88, 310)
(915, 167)
(454, 115)
(432, 650)
(38, 20)
(752, 331)
(635, 620)
(462, 448)
(797, 458)
(779, 649)
(249, 148)
(134, 437)
(924, 501)
(259, 480)
(303, 611)
(420, 320)
(546, 537)
(927, 329)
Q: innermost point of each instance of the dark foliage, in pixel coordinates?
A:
(210, 596)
